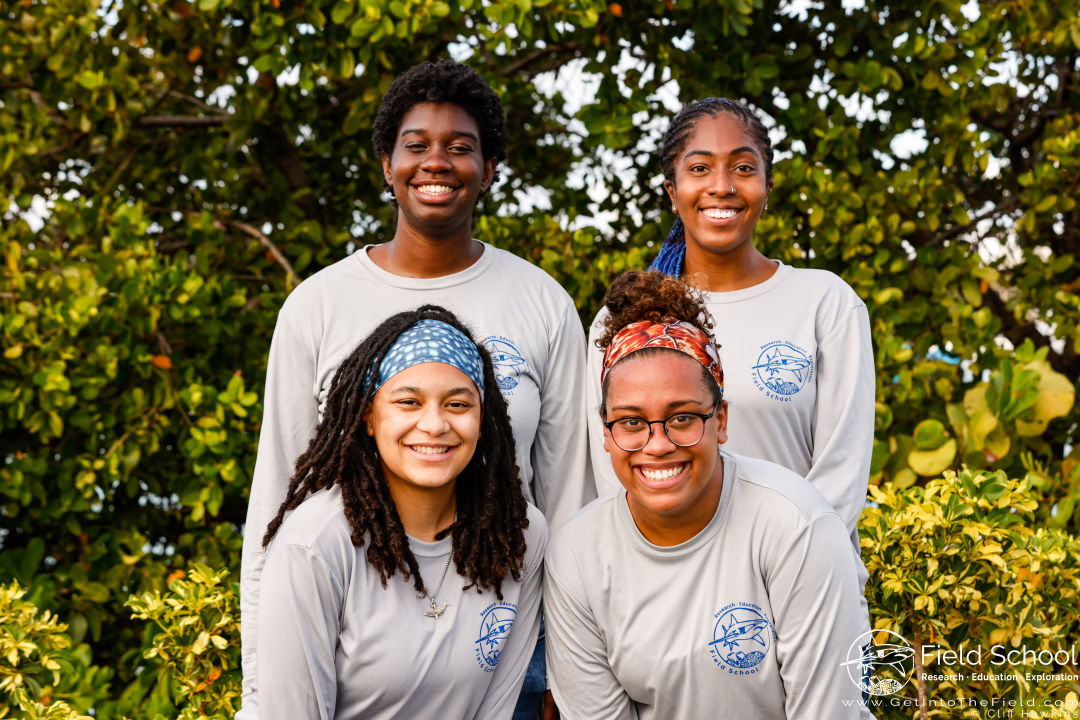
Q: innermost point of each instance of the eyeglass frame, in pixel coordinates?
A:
(705, 417)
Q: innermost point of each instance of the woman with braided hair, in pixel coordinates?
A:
(402, 578)
(795, 342)
(710, 585)
(440, 136)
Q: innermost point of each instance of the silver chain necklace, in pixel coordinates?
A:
(436, 609)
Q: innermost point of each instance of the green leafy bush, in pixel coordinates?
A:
(956, 566)
(37, 665)
(195, 641)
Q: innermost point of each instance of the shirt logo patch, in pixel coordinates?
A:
(507, 361)
(498, 619)
(742, 637)
(782, 370)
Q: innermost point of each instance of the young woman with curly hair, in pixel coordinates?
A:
(440, 135)
(711, 584)
(403, 573)
(795, 342)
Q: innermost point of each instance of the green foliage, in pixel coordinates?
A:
(196, 642)
(958, 562)
(169, 170)
(33, 710)
(37, 663)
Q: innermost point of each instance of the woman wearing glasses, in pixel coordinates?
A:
(711, 585)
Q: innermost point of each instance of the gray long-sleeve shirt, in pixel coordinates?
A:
(520, 314)
(798, 379)
(750, 618)
(334, 643)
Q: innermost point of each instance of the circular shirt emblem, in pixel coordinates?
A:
(782, 369)
(880, 662)
(742, 637)
(494, 628)
(506, 360)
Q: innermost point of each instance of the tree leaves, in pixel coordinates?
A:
(165, 174)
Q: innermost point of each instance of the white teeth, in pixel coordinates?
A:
(430, 449)
(664, 474)
(719, 213)
(435, 189)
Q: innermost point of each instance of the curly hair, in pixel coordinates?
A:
(673, 251)
(488, 536)
(441, 82)
(649, 295)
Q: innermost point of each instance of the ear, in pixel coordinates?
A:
(489, 173)
(386, 170)
(669, 185)
(607, 437)
(721, 423)
(367, 421)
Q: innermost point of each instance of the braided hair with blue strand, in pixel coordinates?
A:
(672, 257)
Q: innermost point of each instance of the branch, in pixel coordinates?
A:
(999, 209)
(288, 161)
(1067, 363)
(194, 101)
(115, 177)
(223, 225)
(157, 121)
(575, 50)
(265, 241)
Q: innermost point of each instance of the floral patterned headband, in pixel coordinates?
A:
(682, 336)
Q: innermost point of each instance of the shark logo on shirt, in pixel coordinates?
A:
(495, 626)
(782, 370)
(735, 631)
(507, 362)
(742, 637)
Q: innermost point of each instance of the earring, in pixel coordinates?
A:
(674, 208)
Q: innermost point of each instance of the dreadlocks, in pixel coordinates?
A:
(673, 251)
(488, 536)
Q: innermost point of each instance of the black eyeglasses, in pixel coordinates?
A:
(682, 428)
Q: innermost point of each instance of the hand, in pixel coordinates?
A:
(551, 711)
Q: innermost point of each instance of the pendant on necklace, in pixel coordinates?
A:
(435, 610)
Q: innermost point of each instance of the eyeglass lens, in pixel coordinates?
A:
(633, 433)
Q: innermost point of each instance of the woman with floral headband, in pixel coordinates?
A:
(712, 584)
(795, 341)
(403, 575)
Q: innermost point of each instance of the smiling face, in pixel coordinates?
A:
(426, 423)
(719, 187)
(672, 491)
(437, 169)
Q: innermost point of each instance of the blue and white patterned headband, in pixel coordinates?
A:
(432, 341)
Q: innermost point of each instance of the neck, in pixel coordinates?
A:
(723, 272)
(666, 531)
(420, 255)
(424, 513)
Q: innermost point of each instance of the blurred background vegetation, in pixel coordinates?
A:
(170, 170)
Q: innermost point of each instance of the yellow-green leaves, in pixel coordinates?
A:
(196, 639)
(32, 645)
(958, 560)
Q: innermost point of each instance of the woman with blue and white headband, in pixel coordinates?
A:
(403, 573)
